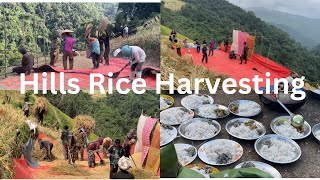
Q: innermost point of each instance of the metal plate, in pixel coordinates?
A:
(307, 128)
(185, 102)
(174, 132)
(212, 108)
(167, 97)
(316, 129)
(190, 122)
(177, 120)
(201, 168)
(263, 167)
(203, 155)
(246, 108)
(258, 145)
(185, 146)
(243, 120)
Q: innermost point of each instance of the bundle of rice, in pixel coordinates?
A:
(88, 29)
(11, 147)
(84, 121)
(103, 24)
(41, 104)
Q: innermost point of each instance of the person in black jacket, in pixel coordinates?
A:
(116, 152)
(26, 63)
(65, 142)
(124, 165)
(47, 145)
(245, 53)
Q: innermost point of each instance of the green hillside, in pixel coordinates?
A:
(206, 19)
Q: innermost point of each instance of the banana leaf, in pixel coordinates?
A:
(241, 173)
(189, 173)
(168, 162)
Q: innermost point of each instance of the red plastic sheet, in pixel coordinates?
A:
(13, 82)
(221, 64)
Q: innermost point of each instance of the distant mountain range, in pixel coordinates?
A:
(303, 29)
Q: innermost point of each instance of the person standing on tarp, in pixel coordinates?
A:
(211, 47)
(54, 51)
(64, 139)
(137, 57)
(178, 46)
(27, 63)
(198, 45)
(226, 44)
(205, 53)
(68, 51)
(105, 38)
(95, 52)
(245, 53)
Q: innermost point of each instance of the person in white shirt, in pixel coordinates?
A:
(126, 32)
(137, 57)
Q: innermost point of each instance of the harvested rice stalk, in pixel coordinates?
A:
(84, 121)
(41, 108)
(66, 169)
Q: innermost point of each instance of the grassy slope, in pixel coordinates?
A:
(165, 31)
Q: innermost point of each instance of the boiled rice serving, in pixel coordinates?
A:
(213, 150)
(175, 115)
(248, 109)
(183, 156)
(194, 101)
(165, 135)
(200, 130)
(277, 150)
(163, 103)
(286, 129)
(244, 131)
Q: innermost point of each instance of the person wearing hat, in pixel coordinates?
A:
(116, 151)
(47, 145)
(67, 50)
(27, 63)
(54, 51)
(205, 53)
(136, 57)
(124, 165)
(95, 51)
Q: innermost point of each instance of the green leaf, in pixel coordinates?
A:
(185, 172)
(168, 162)
(241, 173)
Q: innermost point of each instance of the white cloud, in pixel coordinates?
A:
(309, 8)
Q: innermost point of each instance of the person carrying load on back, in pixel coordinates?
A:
(27, 63)
(178, 46)
(129, 142)
(26, 109)
(47, 145)
(245, 53)
(198, 45)
(93, 148)
(226, 44)
(81, 142)
(205, 53)
(64, 139)
(104, 38)
(211, 47)
(68, 50)
(95, 52)
(116, 152)
(73, 149)
(136, 57)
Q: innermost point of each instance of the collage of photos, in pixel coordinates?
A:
(159, 89)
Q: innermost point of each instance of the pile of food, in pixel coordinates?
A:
(200, 130)
(175, 116)
(284, 127)
(193, 101)
(247, 129)
(221, 152)
(220, 112)
(245, 109)
(164, 102)
(212, 111)
(185, 155)
(252, 165)
(166, 133)
(204, 170)
(277, 150)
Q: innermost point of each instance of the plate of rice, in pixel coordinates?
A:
(220, 152)
(165, 102)
(203, 169)
(260, 165)
(316, 132)
(186, 153)
(282, 126)
(175, 115)
(199, 129)
(212, 111)
(244, 108)
(244, 128)
(277, 149)
(167, 134)
(195, 100)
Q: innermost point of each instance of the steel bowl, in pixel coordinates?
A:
(307, 128)
(258, 124)
(263, 167)
(186, 146)
(184, 101)
(167, 97)
(213, 114)
(187, 123)
(174, 110)
(315, 129)
(243, 102)
(316, 93)
(258, 145)
(175, 132)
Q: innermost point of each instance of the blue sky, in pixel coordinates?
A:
(309, 8)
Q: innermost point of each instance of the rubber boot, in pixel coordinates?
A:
(131, 76)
